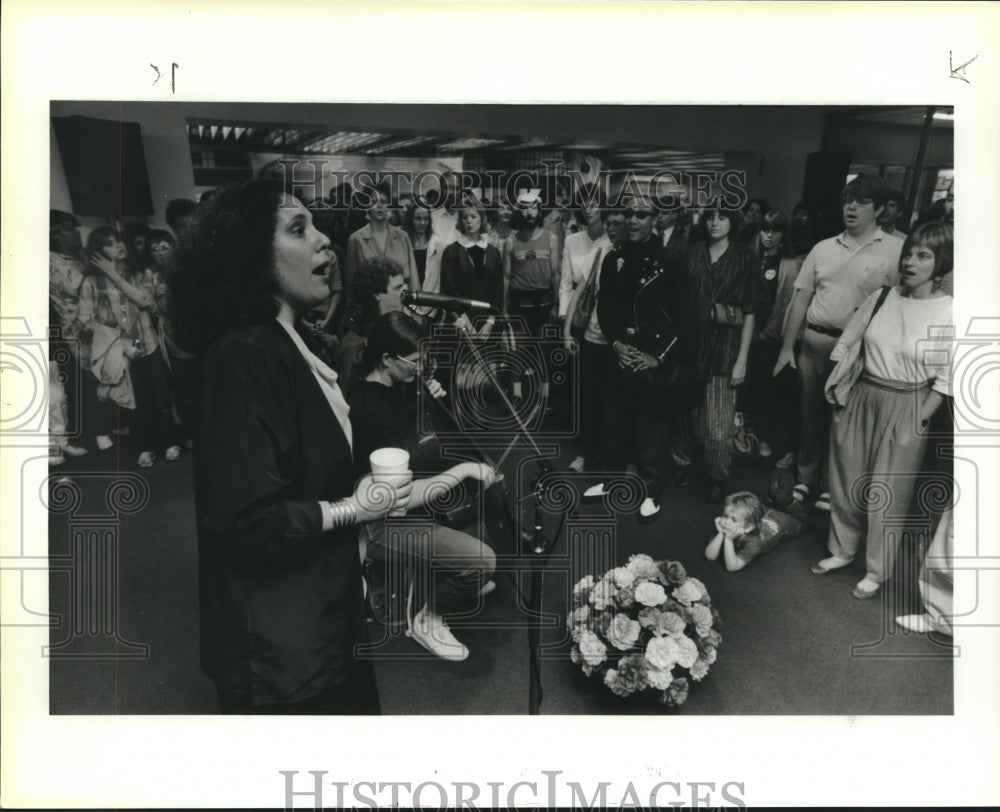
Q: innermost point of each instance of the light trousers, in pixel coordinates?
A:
(876, 453)
(815, 367)
(937, 580)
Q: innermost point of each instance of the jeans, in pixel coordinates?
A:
(445, 567)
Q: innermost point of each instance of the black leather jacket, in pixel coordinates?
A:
(644, 300)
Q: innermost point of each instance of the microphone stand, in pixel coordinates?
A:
(539, 545)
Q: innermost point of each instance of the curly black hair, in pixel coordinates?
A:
(371, 277)
(223, 273)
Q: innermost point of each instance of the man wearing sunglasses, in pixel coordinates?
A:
(641, 307)
(836, 277)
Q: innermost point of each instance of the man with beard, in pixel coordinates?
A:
(531, 265)
(531, 275)
(641, 308)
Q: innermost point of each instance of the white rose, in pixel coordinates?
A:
(650, 594)
(662, 652)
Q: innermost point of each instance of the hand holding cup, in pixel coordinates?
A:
(391, 470)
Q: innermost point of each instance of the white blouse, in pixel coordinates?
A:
(909, 340)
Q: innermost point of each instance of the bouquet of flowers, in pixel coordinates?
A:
(647, 625)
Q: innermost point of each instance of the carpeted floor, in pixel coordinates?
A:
(793, 643)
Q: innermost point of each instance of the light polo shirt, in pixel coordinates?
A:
(840, 278)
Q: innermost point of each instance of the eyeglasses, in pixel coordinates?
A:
(426, 362)
(640, 213)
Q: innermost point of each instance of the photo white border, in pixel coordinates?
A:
(610, 52)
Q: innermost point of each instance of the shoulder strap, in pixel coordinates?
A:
(880, 302)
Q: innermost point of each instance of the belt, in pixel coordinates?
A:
(827, 331)
(536, 297)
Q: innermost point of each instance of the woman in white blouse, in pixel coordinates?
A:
(877, 441)
(580, 252)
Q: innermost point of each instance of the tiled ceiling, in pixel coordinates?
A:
(315, 141)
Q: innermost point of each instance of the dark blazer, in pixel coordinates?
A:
(459, 276)
(281, 601)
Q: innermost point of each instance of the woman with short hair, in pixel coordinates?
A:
(878, 438)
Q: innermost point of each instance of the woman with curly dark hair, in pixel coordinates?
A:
(117, 304)
(726, 286)
(282, 602)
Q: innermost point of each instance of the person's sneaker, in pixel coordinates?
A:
(865, 589)
(487, 588)
(576, 465)
(786, 461)
(56, 456)
(103, 442)
(594, 491)
(173, 453)
(74, 450)
(146, 459)
(765, 450)
(683, 478)
(823, 502)
(432, 632)
(649, 508)
(921, 624)
(830, 564)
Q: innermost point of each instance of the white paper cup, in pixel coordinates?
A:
(391, 466)
(389, 461)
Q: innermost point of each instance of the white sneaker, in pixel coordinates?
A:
(173, 453)
(56, 456)
(649, 508)
(104, 442)
(431, 631)
(823, 502)
(786, 461)
(74, 450)
(594, 491)
(765, 450)
(487, 588)
(576, 465)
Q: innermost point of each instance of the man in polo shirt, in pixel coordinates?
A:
(836, 277)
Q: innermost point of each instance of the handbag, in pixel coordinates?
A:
(588, 299)
(849, 368)
(720, 312)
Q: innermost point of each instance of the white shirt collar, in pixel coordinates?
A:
(465, 242)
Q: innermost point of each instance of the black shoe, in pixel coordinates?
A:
(716, 491)
(683, 478)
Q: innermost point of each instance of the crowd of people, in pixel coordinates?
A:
(270, 335)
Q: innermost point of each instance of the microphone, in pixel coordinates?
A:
(456, 303)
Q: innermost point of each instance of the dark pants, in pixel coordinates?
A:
(772, 403)
(88, 417)
(183, 379)
(597, 364)
(533, 306)
(639, 427)
(356, 695)
(153, 422)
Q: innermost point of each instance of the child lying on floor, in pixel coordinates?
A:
(746, 530)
